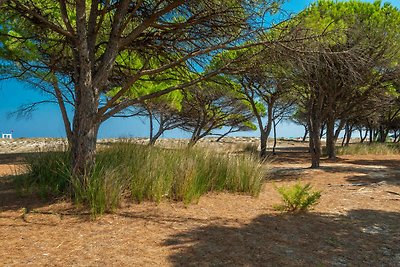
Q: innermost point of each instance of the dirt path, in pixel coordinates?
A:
(356, 223)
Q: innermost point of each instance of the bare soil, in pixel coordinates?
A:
(356, 223)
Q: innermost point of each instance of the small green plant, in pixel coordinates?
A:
(297, 197)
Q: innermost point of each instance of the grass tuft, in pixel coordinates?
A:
(144, 173)
(370, 149)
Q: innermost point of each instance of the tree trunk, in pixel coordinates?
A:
(263, 144)
(85, 123)
(151, 125)
(322, 131)
(266, 131)
(371, 136)
(273, 148)
(314, 127)
(315, 148)
(330, 136)
(305, 133)
(349, 134)
(365, 136)
(83, 148)
(361, 135)
(339, 129)
(382, 137)
(344, 136)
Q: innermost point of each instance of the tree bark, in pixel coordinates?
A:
(83, 147)
(363, 138)
(151, 125)
(330, 136)
(266, 131)
(371, 135)
(314, 126)
(305, 133)
(349, 134)
(274, 146)
(86, 123)
(263, 144)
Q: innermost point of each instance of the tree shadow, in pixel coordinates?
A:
(362, 237)
(14, 158)
(10, 198)
(368, 172)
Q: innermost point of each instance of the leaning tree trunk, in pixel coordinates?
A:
(266, 132)
(364, 137)
(305, 133)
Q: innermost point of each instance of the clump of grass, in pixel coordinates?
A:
(145, 174)
(370, 149)
(297, 197)
(47, 173)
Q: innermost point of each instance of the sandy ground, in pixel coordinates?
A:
(356, 223)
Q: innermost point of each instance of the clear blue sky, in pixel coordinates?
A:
(46, 120)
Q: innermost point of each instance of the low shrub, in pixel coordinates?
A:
(297, 197)
(143, 173)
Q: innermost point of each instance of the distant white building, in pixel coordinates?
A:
(6, 136)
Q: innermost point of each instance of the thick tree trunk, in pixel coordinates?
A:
(315, 148)
(330, 137)
(86, 122)
(83, 147)
(263, 144)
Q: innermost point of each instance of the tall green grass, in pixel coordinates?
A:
(143, 173)
(370, 149)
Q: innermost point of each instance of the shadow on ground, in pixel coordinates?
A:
(360, 238)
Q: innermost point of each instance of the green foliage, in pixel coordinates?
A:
(298, 197)
(143, 173)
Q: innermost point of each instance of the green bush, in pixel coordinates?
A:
(143, 173)
(297, 197)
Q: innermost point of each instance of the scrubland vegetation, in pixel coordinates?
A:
(210, 68)
(142, 173)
